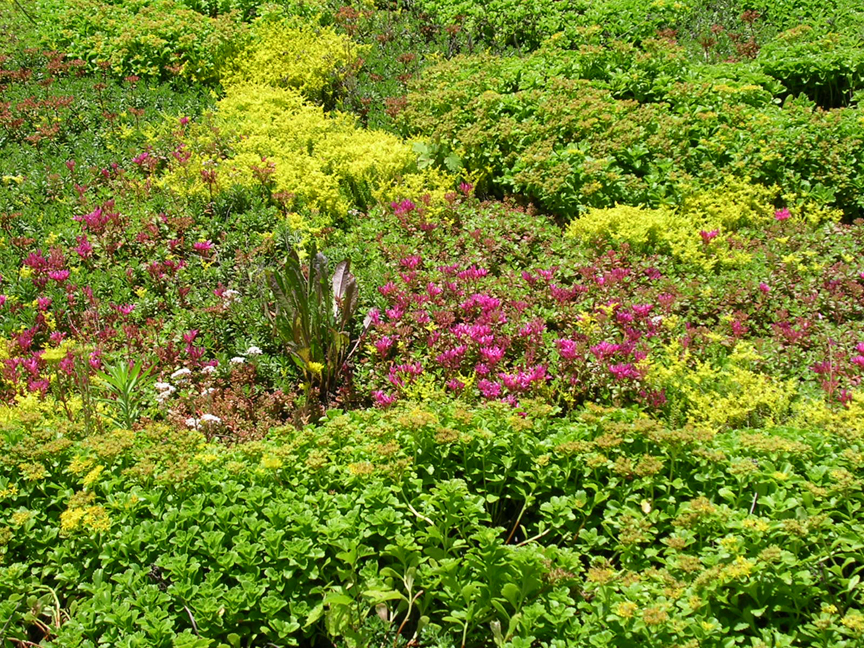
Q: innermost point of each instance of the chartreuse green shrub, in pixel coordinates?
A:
(450, 525)
(288, 53)
(323, 159)
(147, 38)
(729, 391)
(694, 232)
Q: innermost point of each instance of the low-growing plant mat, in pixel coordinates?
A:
(446, 524)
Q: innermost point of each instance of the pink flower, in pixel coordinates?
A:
(195, 353)
(43, 303)
(403, 207)
(765, 288)
(452, 358)
(455, 385)
(604, 350)
(492, 355)
(472, 273)
(383, 345)
(40, 386)
(190, 336)
(489, 389)
(623, 371)
(84, 248)
(58, 275)
(96, 360)
(707, 237)
(466, 188)
(184, 121)
(782, 214)
(434, 290)
(2, 299)
(858, 361)
(567, 349)
(382, 399)
(125, 309)
(642, 310)
(411, 262)
(202, 246)
(387, 288)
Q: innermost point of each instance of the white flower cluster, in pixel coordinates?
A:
(181, 373)
(206, 419)
(230, 296)
(164, 391)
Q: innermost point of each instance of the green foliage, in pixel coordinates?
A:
(313, 313)
(612, 124)
(126, 382)
(506, 23)
(147, 38)
(249, 9)
(826, 67)
(454, 526)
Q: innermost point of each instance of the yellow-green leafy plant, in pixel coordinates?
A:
(325, 160)
(730, 393)
(702, 216)
(286, 53)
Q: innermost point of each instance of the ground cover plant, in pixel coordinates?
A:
(432, 323)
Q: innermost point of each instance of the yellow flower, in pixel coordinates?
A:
(79, 465)
(854, 621)
(33, 471)
(20, 518)
(625, 610)
(271, 462)
(316, 368)
(93, 476)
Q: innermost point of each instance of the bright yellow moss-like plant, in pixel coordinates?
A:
(324, 159)
(678, 231)
(728, 394)
(286, 53)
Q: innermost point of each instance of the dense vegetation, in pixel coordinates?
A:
(433, 323)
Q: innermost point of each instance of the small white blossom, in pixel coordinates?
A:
(209, 369)
(210, 418)
(192, 423)
(180, 373)
(230, 296)
(254, 351)
(238, 360)
(164, 387)
(208, 391)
